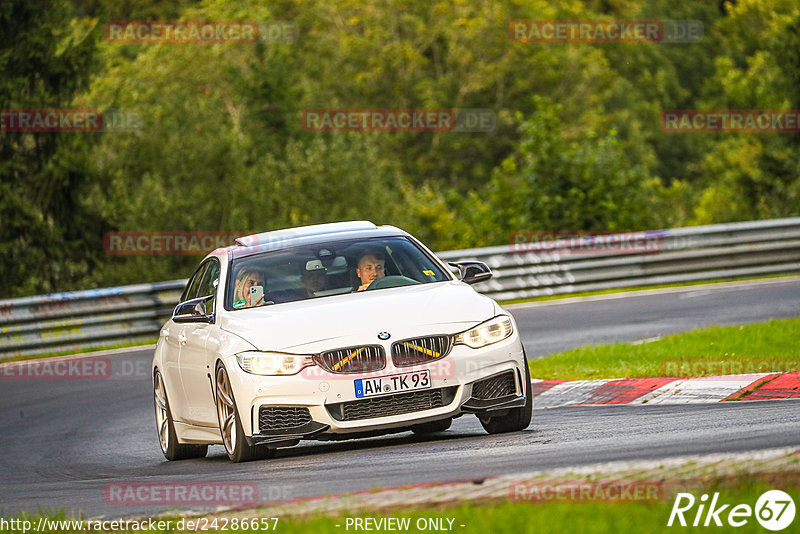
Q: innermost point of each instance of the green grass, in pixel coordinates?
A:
(559, 517)
(551, 517)
(644, 288)
(541, 518)
(759, 347)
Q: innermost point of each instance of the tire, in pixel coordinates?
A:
(517, 418)
(165, 427)
(432, 427)
(230, 424)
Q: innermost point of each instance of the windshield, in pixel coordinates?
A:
(328, 269)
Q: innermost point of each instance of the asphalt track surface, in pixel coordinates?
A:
(63, 442)
(557, 325)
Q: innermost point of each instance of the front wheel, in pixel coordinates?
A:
(516, 418)
(230, 425)
(165, 427)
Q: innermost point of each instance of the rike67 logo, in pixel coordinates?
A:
(774, 510)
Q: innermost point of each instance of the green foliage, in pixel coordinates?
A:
(753, 176)
(563, 181)
(47, 230)
(577, 143)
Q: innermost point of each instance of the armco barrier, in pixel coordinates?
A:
(72, 320)
(685, 255)
(80, 319)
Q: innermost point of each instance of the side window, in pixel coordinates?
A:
(191, 288)
(208, 284)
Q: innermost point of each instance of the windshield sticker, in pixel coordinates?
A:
(239, 303)
(429, 272)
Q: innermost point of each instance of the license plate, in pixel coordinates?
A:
(381, 385)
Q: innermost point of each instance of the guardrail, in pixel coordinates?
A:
(677, 255)
(82, 319)
(102, 317)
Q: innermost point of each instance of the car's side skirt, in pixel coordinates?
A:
(197, 434)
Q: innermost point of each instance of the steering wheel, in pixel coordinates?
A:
(392, 281)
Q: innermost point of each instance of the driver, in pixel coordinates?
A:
(370, 268)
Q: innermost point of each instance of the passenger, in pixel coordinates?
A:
(370, 267)
(246, 278)
(314, 276)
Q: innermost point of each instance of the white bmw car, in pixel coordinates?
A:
(332, 331)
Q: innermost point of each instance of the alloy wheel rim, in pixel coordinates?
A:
(162, 424)
(226, 411)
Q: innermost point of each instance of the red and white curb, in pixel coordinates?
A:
(754, 386)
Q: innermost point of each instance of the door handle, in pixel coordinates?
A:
(182, 339)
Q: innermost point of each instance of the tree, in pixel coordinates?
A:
(48, 234)
(558, 181)
(753, 175)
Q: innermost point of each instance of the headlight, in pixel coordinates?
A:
(272, 363)
(491, 331)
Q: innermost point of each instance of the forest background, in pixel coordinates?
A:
(219, 144)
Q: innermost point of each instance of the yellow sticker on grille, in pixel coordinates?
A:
(341, 363)
(423, 350)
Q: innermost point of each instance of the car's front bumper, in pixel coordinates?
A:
(318, 404)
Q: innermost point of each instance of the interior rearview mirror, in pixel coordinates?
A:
(314, 265)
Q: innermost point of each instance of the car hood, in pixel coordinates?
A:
(314, 325)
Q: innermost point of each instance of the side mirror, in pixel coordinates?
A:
(472, 272)
(193, 311)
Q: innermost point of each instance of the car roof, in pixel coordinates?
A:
(307, 235)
